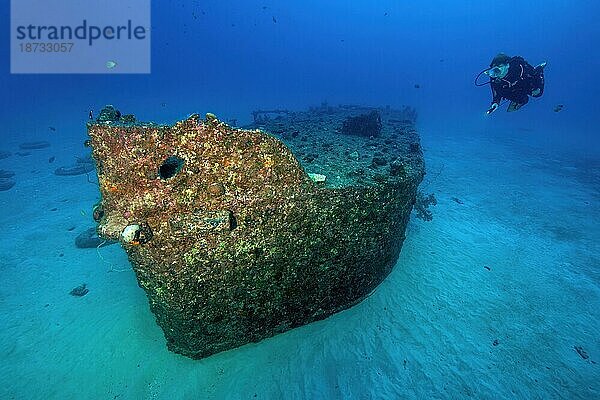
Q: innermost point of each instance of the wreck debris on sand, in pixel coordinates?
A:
(231, 238)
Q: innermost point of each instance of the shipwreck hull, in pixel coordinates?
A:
(231, 239)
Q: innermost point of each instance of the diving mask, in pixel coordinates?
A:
(498, 71)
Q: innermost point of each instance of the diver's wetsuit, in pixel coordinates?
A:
(518, 83)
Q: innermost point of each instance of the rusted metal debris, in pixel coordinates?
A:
(231, 239)
(264, 115)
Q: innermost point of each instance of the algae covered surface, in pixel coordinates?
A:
(231, 238)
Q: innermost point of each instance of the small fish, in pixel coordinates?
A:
(91, 115)
(111, 64)
(417, 86)
(51, 160)
(457, 200)
(53, 129)
(274, 20)
(558, 108)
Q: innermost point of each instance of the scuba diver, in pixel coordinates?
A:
(514, 79)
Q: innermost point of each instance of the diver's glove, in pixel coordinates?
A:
(492, 108)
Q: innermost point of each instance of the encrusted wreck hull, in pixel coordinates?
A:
(231, 239)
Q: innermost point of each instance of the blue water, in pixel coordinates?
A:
(442, 325)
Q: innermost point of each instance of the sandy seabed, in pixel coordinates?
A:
(488, 301)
